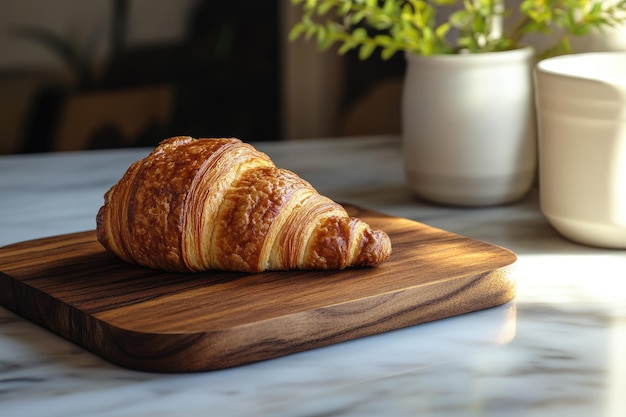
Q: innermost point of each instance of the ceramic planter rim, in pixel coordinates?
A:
(495, 57)
(545, 65)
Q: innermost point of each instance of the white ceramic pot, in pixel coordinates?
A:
(469, 133)
(581, 103)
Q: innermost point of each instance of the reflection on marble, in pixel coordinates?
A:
(57, 372)
(557, 349)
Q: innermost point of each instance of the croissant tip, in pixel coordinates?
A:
(376, 248)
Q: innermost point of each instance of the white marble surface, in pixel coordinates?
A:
(559, 349)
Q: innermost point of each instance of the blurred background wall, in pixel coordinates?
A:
(113, 73)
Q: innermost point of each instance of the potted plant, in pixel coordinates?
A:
(468, 123)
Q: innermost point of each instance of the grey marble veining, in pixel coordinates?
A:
(557, 349)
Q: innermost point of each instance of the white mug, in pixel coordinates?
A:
(581, 115)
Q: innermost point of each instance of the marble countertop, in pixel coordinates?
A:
(558, 349)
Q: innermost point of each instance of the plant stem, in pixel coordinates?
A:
(517, 32)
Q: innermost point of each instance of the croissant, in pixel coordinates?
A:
(201, 204)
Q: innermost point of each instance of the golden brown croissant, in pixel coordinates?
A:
(200, 204)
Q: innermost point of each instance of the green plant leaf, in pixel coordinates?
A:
(366, 50)
(324, 8)
(344, 8)
(359, 34)
(460, 19)
(296, 31)
(442, 30)
(345, 48)
(387, 53)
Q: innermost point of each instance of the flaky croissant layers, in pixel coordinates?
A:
(200, 204)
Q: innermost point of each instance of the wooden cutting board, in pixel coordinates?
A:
(165, 322)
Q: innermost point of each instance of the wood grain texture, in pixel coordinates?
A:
(167, 322)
